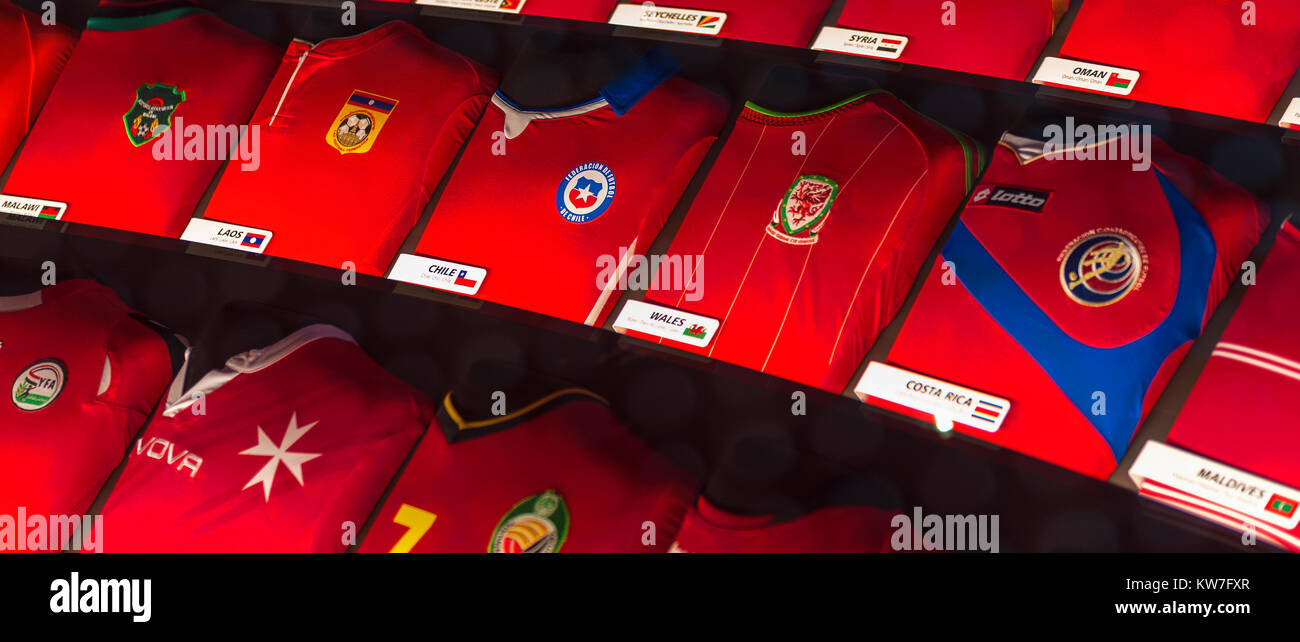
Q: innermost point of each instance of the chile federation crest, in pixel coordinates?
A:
(585, 193)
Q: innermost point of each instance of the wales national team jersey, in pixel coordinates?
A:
(1067, 294)
(81, 374)
(835, 529)
(285, 449)
(30, 61)
(355, 134)
(139, 122)
(809, 231)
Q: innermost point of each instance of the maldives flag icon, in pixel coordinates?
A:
(1281, 505)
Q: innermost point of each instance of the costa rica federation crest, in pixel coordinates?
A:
(803, 211)
(359, 122)
(38, 385)
(538, 524)
(1102, 266)
(585, 193)
(151, 115)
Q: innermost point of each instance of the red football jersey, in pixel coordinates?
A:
(82, 376)
(540, 206)
(559, 474)
(128, 83)
(285, 449)
(805, 257)
(30, 62)
(1203, 55)
(350, 126)
(1001, 38)
(836, 529)
(1073, 288)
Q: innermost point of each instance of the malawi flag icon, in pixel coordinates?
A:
(1281, 505)
(1116, 81)
(49, 211)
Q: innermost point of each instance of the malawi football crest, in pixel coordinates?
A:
(537, 524)
(803, 211)
(1101, 267)
(359, 121)
(38, 385)
(151, 115)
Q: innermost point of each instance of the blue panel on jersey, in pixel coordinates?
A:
(639, 79)
(1124, 372)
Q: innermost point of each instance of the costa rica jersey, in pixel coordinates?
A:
(30, 62)
(130, 118)
(355, 134)
(807, 256)
(834, 529)
(283, 450)
(81, 375)
(1073, 287)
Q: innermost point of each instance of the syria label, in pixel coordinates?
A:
(1217, 483)
(1076, 74)
(946, 402)
(33, 207)
(666, 323)
(438, 274)
(860, 43)
(498, 6)
(649, 16)
(1291, 117)
(238, 237)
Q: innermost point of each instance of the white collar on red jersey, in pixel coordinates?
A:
(517, 118)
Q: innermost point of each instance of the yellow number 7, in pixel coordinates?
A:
(416, 519)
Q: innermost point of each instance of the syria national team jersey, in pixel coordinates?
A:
(1072, 288)
(558, 473)
(1194, 54)
(276, 452)
(568, 196)
(81, 375)
(355, 134)
(1001, 38)
(30, 62)
(806, 257)
(835, 529)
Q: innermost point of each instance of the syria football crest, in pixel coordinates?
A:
(359, 122)
(38, 385)
(1101, 267)
(151, 115)
(803, 211)
(537, 524)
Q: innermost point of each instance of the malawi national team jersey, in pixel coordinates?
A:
(131, 119)
(285, 449)
(835, 529)
(1072, 288)
(1001, 38)
(557, 473)
(30, 62)
(568, 196)
(1195, 54)
(82, 375)
(355, 134)
(805, 257)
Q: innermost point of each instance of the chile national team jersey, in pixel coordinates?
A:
(1073, 287)
(834, 529)
(124, 138)
(279, 451)
(31, 60)
(806, 257)
(355, 134)
(81, 375)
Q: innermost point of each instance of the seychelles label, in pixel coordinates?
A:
(649, 16)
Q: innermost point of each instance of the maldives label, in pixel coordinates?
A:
(33, 207)
(650, 16)
(860, 43)
(438, 274)
(499, 6)
(666, 323)
(1291, 117)
(947, 402)
(1076, 74)
(1217, 483)
(238, 237)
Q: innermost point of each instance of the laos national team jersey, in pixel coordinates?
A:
(557, 474)
(805, 257)
(1072, 288)
(80, 376)
(275, 452)
(836, 529)
(1195, 54)
(30, 61)
(110, 142)
(355, 134)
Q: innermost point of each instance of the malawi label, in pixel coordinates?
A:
(1217, 483)
(33, 207)
(1076, 74)
(499, 6)
(650, 16)
(666, 323)
(860, 43)
(438, 274)
(1291, 117)
(948, 402)
(238, 237)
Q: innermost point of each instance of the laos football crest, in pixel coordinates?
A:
(585, 193)
(536, 525)
(1102, 267)
(803, 211)
(38, 385)
(358, 123)
(151, 115)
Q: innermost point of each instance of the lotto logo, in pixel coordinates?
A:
(1020, 198)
